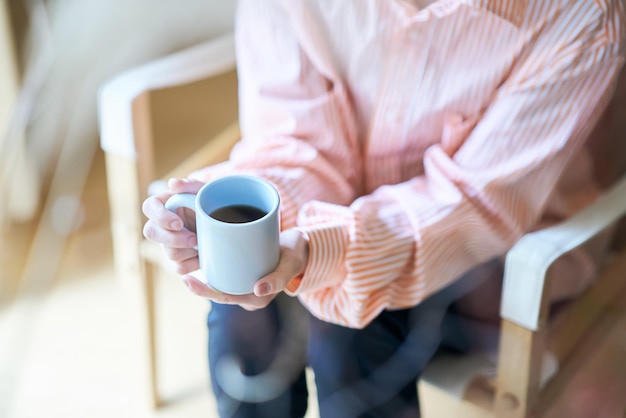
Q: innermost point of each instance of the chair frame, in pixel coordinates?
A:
(525, 301)
(127, 138)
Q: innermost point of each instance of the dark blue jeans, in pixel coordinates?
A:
(370, 372)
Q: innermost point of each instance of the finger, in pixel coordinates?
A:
(154, 206)
(179, 254)
(250, 301)
(176, 239)
(186, 266)
(177, 185)
(154, 209)
(251, 308)
(200, 289)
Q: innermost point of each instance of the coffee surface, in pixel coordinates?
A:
(237, 214)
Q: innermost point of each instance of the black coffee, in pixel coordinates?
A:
(237, 214)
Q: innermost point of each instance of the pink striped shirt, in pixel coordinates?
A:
(410, 144)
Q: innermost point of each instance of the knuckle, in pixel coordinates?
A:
(180, 254)
(145, 206)
(186, 266)
(148, 231)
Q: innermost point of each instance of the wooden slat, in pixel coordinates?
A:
(215, 151)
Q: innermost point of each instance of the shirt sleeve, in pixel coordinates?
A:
(393, 248)
(297, 125)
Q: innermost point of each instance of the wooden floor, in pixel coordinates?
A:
(66, 346)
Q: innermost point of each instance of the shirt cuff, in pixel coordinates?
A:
(326, 228)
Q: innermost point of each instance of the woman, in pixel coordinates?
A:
(411, 142)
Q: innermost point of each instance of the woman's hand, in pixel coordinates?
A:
(294, 256)
(174, 231)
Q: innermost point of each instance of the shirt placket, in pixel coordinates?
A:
(401, 82)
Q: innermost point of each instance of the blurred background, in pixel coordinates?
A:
(66, 339)
(68, 334)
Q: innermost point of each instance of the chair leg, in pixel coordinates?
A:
(152, 371)
(135, 275)
(519, 370)
(140, 295)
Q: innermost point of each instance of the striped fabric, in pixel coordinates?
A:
(411, 144)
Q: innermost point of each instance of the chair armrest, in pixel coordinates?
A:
(530, 258)
(116, 96)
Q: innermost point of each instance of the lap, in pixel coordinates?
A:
(256, 365)
(372, 372)
(357, 370)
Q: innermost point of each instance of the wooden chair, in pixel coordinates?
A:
(534, 348)
(204, 84)
(451, 386)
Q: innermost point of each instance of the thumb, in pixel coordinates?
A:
(264, 287)
(294, 255)
(278, 280)
(274, 282)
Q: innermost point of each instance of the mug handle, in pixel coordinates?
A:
(181, 200)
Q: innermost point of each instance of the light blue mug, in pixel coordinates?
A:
(238, 225)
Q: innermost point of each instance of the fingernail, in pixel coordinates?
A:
(176, 225)
(192, 241)
(264, 289)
